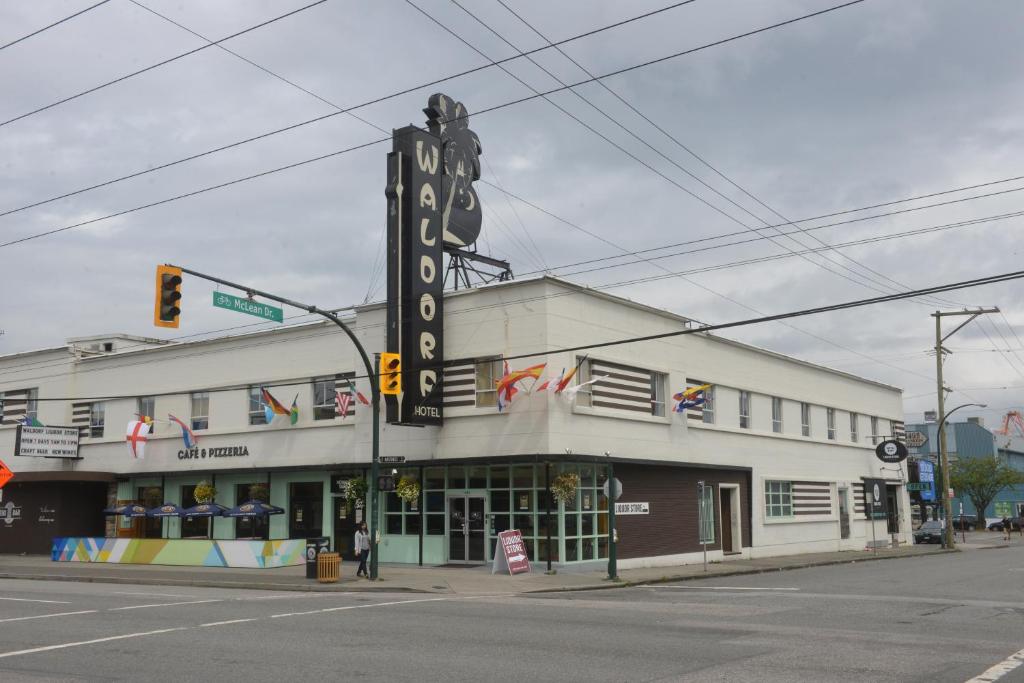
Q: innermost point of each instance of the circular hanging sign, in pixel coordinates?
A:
(891, 451)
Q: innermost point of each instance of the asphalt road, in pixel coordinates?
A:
(938, 618)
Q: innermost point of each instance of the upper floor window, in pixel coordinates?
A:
(874, 430)
(778, 499)
(853, 427)
(201, 410)
(97, 418)
(831, 417)
(745, 409)
(488, 373)
(805, 419)
(584, 397)
(324, 404)
(708, 409)
(146, 407)
(776, 414)
(658, 394)
(257, 415)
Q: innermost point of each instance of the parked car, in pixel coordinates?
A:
(997, 525)
(930, 532)
(965, 522)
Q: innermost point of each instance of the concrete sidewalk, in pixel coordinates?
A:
(448, 580)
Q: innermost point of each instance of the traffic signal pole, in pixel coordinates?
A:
(374, 393)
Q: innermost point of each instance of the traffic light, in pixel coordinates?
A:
(390, 374)
(168, 296)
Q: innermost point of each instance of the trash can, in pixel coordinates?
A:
(315, 546)
(328, 567)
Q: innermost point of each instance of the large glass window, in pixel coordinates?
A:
(146, 407)
(193, 527)
(324, 407)
(31, 405)
(853, 427)
(201, 410)
(778, 499)
(708, 409)
(745, 409)
(403, 517)
(776, 414)
(433, 495)
(658, 394)
(584, 397)
(97, 418)
(805, 419)
(831, 423)
(257, 527)
(257, 416)
(488, 373)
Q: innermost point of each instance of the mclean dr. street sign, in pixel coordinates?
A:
(241, 305)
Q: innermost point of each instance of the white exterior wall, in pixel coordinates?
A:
(502, 320)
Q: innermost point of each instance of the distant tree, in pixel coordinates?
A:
(981, 480)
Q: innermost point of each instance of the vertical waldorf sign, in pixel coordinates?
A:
(415, 274)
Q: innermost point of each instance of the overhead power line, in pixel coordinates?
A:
(857, 303)
(56, 23)
(157, 65)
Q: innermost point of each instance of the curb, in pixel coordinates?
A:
(198, 583)
(736, 572)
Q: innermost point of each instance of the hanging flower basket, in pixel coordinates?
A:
(408, 489)
(259, 492)
(355, 492)
(563, 487)
(152, 496)
(204, 492)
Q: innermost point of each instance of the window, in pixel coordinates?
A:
(323, 399)
(874, 430)
(257, 416)
(853, 427)
(776, 414)
(745, 409)
(585, 396)
(146, 407)
(831, 423)
(201, 410)
(32, 405)
(708, 409)
(778, 499)
(487, 375)
(193, 527)
(657, 394)
(805, 419)
(706, 505)
(257, 527)
(97, 414)
(404, 518)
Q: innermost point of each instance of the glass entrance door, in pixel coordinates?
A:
(466, 529)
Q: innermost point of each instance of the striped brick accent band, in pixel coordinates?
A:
(812, 498)
(621, 387)
(80, 416)
(14, 406)
(858, 498)
(459, 385)
(899, 431)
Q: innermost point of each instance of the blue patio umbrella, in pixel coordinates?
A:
(166, 510)
(210, 509)
(253, 508)
(126, 510)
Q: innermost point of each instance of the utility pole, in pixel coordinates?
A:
(947, 503)
(371, 372)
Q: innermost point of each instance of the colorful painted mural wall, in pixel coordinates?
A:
(180, 552)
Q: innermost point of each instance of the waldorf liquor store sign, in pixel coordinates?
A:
(46, 442)
(431, 204)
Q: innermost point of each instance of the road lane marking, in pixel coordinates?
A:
(62, 646)
(46, 616)
(230, 621)
(726, 588)
(52, 602)
(162, 604)
(154, 595)
(997, 671)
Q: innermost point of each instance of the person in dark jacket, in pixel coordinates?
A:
(1006, 528)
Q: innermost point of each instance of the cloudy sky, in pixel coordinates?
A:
(874, 103)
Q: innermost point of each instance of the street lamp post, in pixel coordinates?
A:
(947, 504)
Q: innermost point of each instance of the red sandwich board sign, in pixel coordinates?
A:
(513, 555)
(5, 474)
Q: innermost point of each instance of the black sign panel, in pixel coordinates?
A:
(876, 503)
(415, 324)
(891, 451)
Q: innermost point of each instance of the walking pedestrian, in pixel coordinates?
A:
(1006, 528)
(362, 547)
